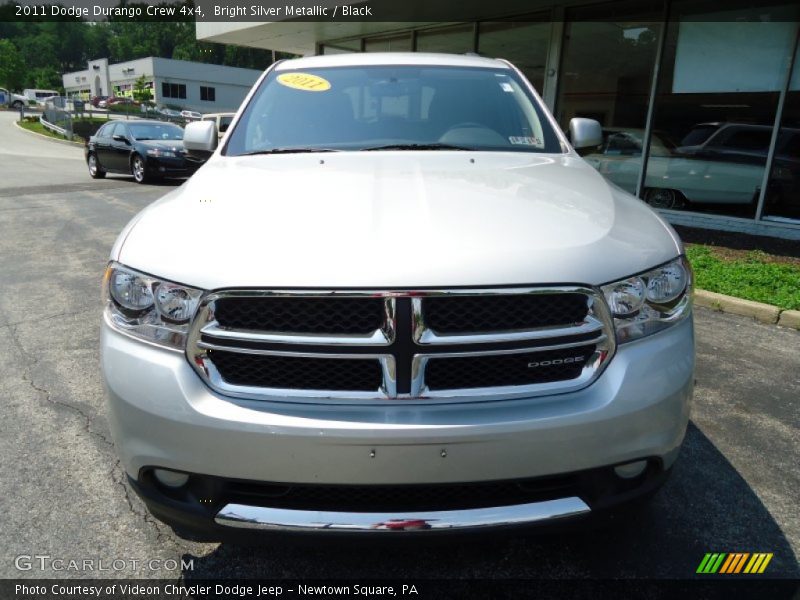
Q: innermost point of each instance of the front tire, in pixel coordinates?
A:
(139, 169)
(663, 198)
(95, 170)
(17, 104)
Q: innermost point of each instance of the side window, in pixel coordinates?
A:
(789, 144)
(105, 130)
(749, 139)
(622, 144)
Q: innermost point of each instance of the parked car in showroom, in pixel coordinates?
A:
(395, 301)
(619, 159)
(142, 148)
(727, 167)
(723, 164)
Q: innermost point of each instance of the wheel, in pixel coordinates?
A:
(138, 169)
(17, 104)
(95, 170)
(662, 198)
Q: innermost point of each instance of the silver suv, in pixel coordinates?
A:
(395, 299)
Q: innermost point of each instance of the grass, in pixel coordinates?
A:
(752, 275)
(37, 127)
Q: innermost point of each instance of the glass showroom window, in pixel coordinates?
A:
(606, 74)
(782, 200)
(523, 41)
(400, 42)
(456, 39)
(341, 47)
(717, 97)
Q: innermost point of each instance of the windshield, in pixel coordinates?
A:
(156, 131)
(392, 107)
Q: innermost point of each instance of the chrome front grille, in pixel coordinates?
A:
(524, 367)
(406, 345)
(298, 372)
(314, 315)
(492, 313)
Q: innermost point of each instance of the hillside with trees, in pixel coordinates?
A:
(34, 54)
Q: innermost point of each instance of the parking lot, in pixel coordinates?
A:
(734, 487)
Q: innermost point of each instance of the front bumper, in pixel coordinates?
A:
(172, 167)
(163, 416)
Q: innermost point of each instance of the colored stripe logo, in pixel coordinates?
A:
(734, 562)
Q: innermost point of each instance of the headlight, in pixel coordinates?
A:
(130, 291)
(647, 303)
(159, 152)
(149, 308)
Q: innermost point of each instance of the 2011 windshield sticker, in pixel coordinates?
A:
(304, 81)
(525, 141)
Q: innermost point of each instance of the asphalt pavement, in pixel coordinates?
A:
(734, 487)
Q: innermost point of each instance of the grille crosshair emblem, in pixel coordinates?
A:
(405, 346)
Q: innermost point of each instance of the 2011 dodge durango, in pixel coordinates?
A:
(395, 299)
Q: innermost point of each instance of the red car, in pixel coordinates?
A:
(117, 100)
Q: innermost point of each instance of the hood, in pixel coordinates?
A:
(395, 220)
(174, 145)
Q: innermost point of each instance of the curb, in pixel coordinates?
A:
(764, 313)
(47, 137)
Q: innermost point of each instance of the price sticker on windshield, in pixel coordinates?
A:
(304, 81)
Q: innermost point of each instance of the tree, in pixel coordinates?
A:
(96, 39)
(35, 53)
(141, 92)
(46, 78)
(12, 67)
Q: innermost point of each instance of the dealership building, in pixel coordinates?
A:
(699, 100)
(190, 85)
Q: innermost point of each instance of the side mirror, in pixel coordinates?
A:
(200, 138)
(585, 134)
(121, 138)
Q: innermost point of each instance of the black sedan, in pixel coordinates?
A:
(145, 149)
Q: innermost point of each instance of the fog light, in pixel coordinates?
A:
(171, 479)
(631, 470)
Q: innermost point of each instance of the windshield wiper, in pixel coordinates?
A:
(431, 146)
(287, 151)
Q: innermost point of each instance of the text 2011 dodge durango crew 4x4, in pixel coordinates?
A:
(395, 298)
